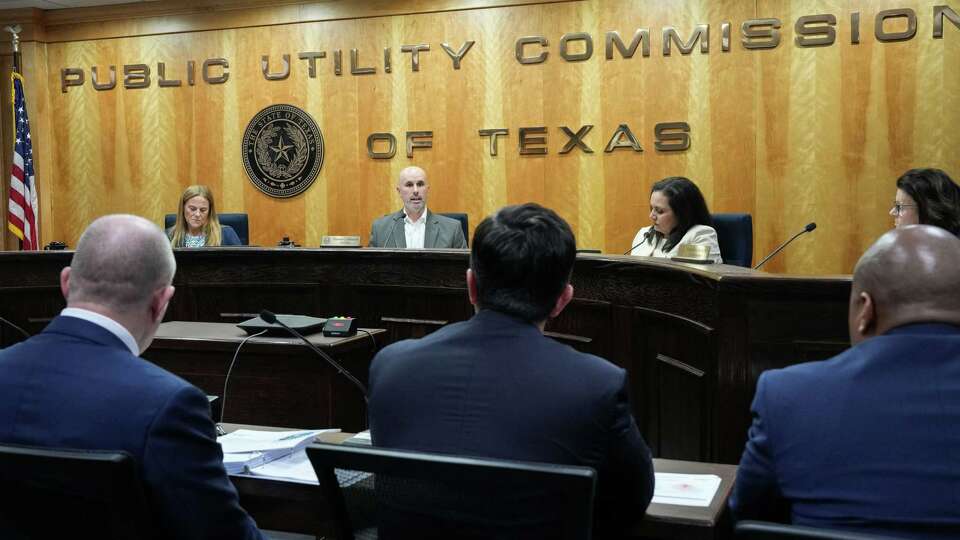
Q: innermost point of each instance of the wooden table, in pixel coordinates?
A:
(276, 380)
(300, 508)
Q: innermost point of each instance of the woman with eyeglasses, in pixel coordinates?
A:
(679, 215)
(927, 197)
(197, 223)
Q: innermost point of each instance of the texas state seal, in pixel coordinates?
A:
(282, 151)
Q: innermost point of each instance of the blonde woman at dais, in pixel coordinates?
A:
(197, 223)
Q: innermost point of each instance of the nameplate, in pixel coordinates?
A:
(340, 241)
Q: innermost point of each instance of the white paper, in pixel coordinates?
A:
(249, 440)
(293, 468)
(246, 448)
(685, 489)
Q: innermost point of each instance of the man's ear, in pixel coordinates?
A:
(865, 317)
(565, 297)
(159, 302)
(65, 283)
(472, 291)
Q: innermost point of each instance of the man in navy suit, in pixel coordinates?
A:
(495, 386)
(870, 439)
(80, 384)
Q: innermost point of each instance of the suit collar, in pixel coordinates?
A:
(84, 331)
(497, 319)
(924, 328)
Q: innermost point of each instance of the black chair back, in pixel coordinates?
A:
(426, 495)
(735, 236)
(53, 493)
(764, 530)
(239, 222)
(464, 222)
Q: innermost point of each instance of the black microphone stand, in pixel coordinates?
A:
(270, 318)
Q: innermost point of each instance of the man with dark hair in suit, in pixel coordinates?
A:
(870, 439)
(80, 384)
(495, 386)
(414, 226)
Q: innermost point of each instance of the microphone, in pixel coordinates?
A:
(810, 227)
(646, 236)
(226, 380)
(270, 318)
(15, 327)
(389, 236)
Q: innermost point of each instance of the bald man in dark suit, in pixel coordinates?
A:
(870, 439)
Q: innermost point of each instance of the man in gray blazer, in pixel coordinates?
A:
(414, 226)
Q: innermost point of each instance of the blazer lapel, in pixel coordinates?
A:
(431, 231)
(398, 235)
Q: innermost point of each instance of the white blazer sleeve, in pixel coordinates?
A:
(707, 236)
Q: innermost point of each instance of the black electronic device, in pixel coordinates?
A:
(300, 323)
(55, 246)
(340, 327)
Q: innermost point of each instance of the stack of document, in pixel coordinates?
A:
(245, 449)
(685, 489)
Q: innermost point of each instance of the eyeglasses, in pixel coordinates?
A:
(898, 208)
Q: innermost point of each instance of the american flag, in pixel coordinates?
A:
(23, 212)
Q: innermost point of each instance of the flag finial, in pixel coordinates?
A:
(15, 30)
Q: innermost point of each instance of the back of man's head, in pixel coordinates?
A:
(522, 258)
(121, 260)
(911, 275)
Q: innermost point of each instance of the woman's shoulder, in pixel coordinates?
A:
(700, 231)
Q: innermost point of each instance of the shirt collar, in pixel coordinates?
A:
(423, 217)
(107, 324)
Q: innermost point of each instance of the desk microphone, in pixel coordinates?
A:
(15, 327)
(270, 318)
(646, 237)
(808, 228)
(390, 235)
(226, 380)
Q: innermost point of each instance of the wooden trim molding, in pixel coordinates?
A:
(179, 16)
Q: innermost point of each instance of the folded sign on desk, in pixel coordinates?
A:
(685, 489)
(244, 449)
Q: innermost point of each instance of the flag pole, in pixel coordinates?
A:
(14, 30)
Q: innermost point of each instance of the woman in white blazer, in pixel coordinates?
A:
(680, 216)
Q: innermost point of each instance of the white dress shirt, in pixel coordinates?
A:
(415, 231)
(107, 324)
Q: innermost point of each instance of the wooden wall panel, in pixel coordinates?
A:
(790, 135)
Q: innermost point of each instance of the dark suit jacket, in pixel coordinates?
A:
(869, 440)
(440, 232)
(76, 385)
(497, 387)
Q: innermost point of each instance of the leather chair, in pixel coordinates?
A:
(764, 530)
(464, 222)
(735, 235)
(403, 494)
(59, 493)
(239, 222)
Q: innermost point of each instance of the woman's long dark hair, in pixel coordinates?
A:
(687, 204)
(937, 197)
